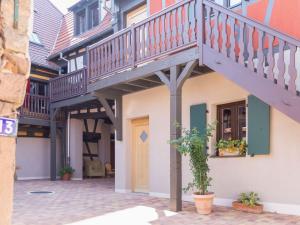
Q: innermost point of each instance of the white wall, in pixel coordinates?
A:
(275, 177)
(33, 158)
(76, 147)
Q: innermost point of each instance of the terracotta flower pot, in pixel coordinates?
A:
(242, 207)
(204, 203)
(66, 177)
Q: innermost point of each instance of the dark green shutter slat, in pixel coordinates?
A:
(198, 118)
(258, 127)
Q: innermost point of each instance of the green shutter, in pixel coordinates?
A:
(198, 118)
(258, 127)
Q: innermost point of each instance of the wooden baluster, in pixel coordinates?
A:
(168, 30)
(260, 54)
(143, 42)
(208, 27)
(163, 34)
(121, 50)
(179, 26)
(192, 20)
(113, 55)
(97, 61)
(102, 58)
(271, 60)
(292, 69)
(138, 43)
(117, 58)
(281, 64)
(147, 40)
(250, 49)
(216, 30)
(152, 40)
(174, 29)
(127, 48)
(157, 35)
(232, 38)
(186, 25)
(224, 34)
(242, 43)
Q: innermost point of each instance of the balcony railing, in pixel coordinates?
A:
(35, 106)
(68, 86)
(189, 23)
(164, 33)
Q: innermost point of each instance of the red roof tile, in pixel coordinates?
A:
(66, 37)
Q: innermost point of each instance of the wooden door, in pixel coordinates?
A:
(140, 155)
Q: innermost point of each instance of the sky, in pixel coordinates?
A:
(63, 5)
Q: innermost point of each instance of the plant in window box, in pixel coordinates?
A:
(192, 143)
(248, 202)
(231, 147)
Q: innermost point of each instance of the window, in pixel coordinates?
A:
(93, 15)
(80, 22)
(231, 121)
(34, 38)
(38, 88)
(75, 64)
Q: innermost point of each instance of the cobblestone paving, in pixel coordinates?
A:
(94, 202)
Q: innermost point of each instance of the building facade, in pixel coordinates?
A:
(139, 67)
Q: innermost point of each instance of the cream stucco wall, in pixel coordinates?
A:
(275, 177)
(33, 157)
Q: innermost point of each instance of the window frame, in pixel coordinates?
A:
(234, 106)
(91, 10)
(81, 13)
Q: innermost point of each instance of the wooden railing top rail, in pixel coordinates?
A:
(135, 25)
(253, 23)
(68, 74)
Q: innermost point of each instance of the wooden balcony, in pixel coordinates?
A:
(68, 86)
(36, 107)
(255, 56)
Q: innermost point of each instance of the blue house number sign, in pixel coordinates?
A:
(8, 127)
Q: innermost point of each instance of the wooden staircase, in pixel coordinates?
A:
(258, 58)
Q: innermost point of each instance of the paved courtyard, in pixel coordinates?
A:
(94, 202)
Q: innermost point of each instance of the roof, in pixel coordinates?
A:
(46, 15)
(66, 37)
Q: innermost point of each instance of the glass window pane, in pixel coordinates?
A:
(242, 129)
(79, 61)
(226, 124)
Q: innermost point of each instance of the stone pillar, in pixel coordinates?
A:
(14, 71)
(76, 147)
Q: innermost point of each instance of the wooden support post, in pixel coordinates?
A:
(118, 113)
(200, 29)
(177, 79)
(175, 157)
(53, 144)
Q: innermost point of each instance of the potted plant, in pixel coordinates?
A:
(248, 202)
(231, 147)
(193, 144)
(66, 173)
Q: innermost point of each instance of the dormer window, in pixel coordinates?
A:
(80, 22)
(93, 15)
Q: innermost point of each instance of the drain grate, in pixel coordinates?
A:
(41, 192)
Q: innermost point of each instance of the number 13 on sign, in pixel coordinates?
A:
(8, 127)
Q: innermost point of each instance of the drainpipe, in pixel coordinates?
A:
(68, 139)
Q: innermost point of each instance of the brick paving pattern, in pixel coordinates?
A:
(94, 202)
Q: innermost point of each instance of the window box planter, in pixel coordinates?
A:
(229, 151)
(257, 209)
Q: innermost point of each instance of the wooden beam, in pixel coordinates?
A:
(119, 114)
(163, 77)
(175, 132)
(107, 107)
(146, 70)
(53, 113)
(186, 73)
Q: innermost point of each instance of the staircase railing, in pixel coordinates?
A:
(69, 85)
(261, 49)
